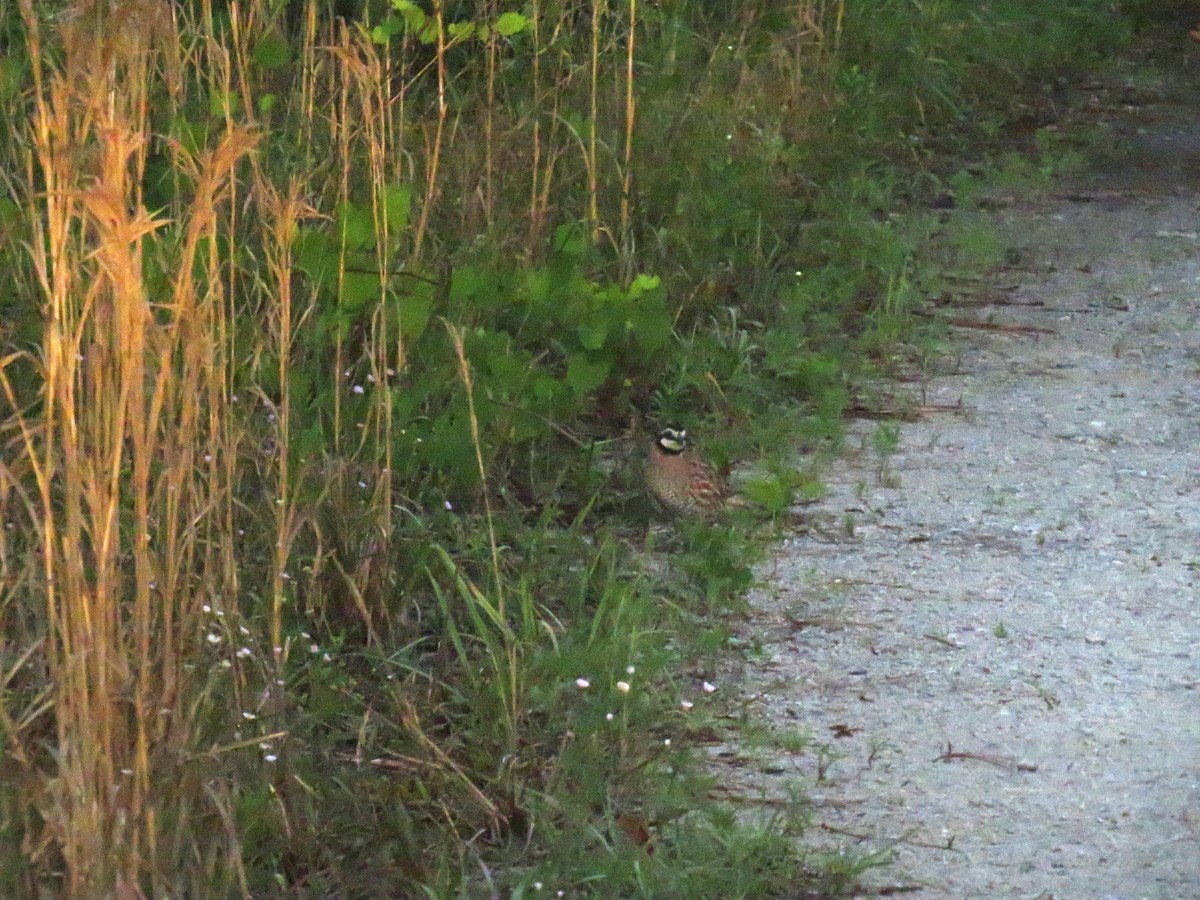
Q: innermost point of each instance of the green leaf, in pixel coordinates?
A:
(415, 309)
(397, 202)
(428, 33)
(314, 256)
(357, 226)
(644, 284)
(359, 289)
(592, 334)
(222, 103)
(467, 281)
(272, 52)
(460, 31)
(651, 325)
(569, 240)
(413, 15)
(511, 23)
(585, 374)
(386, 30)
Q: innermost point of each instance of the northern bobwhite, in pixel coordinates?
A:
(681, 482)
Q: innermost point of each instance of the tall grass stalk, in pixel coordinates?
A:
(126, 461)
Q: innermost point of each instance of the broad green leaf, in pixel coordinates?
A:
(569, 240)
(357, 226)
(397, 201)
(511, 23)
(460, 31)
(585, 375)
(314, 256)
(415, 309)
(359, 289)
(539, 283)
(386, 30)
(592, 334)
(413, 15)
(651, 325)
(467, 281)
(223, 103)
(644, 284)
(272, 52)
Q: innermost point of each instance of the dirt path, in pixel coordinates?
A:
(1025, 592)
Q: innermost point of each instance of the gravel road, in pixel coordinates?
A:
(1001, 665)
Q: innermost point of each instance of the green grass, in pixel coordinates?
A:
(328, 350)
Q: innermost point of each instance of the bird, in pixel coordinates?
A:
(683, 483)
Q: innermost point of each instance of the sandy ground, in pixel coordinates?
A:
(1001, 665)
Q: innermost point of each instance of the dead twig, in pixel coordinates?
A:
(1004, 762)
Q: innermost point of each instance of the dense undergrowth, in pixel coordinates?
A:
(329, 345)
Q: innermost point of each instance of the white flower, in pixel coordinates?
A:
(687, 704)
(582, 683)
(708, 687)
(629, 670)
(623, 687)
(213, 638)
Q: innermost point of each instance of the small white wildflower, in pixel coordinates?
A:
(233, 398)
(448, 505)
(346, 373)
(270, 757)
(249, 716)
(313, 648)
(608, 717)
(213, 638)
(285, 576)
(208, 457)
(244, 652)
(326, 657)
(371, 377)
(241, 532)
(708, 687)
(687, 704)
(278, 651)
(306, 635)
(629, 670)
(537, 885)
(667, 742)
(264, 745)
(582, 683)
(244, 630)
(361, 483)
(206, 608)
(127, 771)
(225, 664)
(623, 687)
(220, 613)
(391, 372)
(358, 389)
